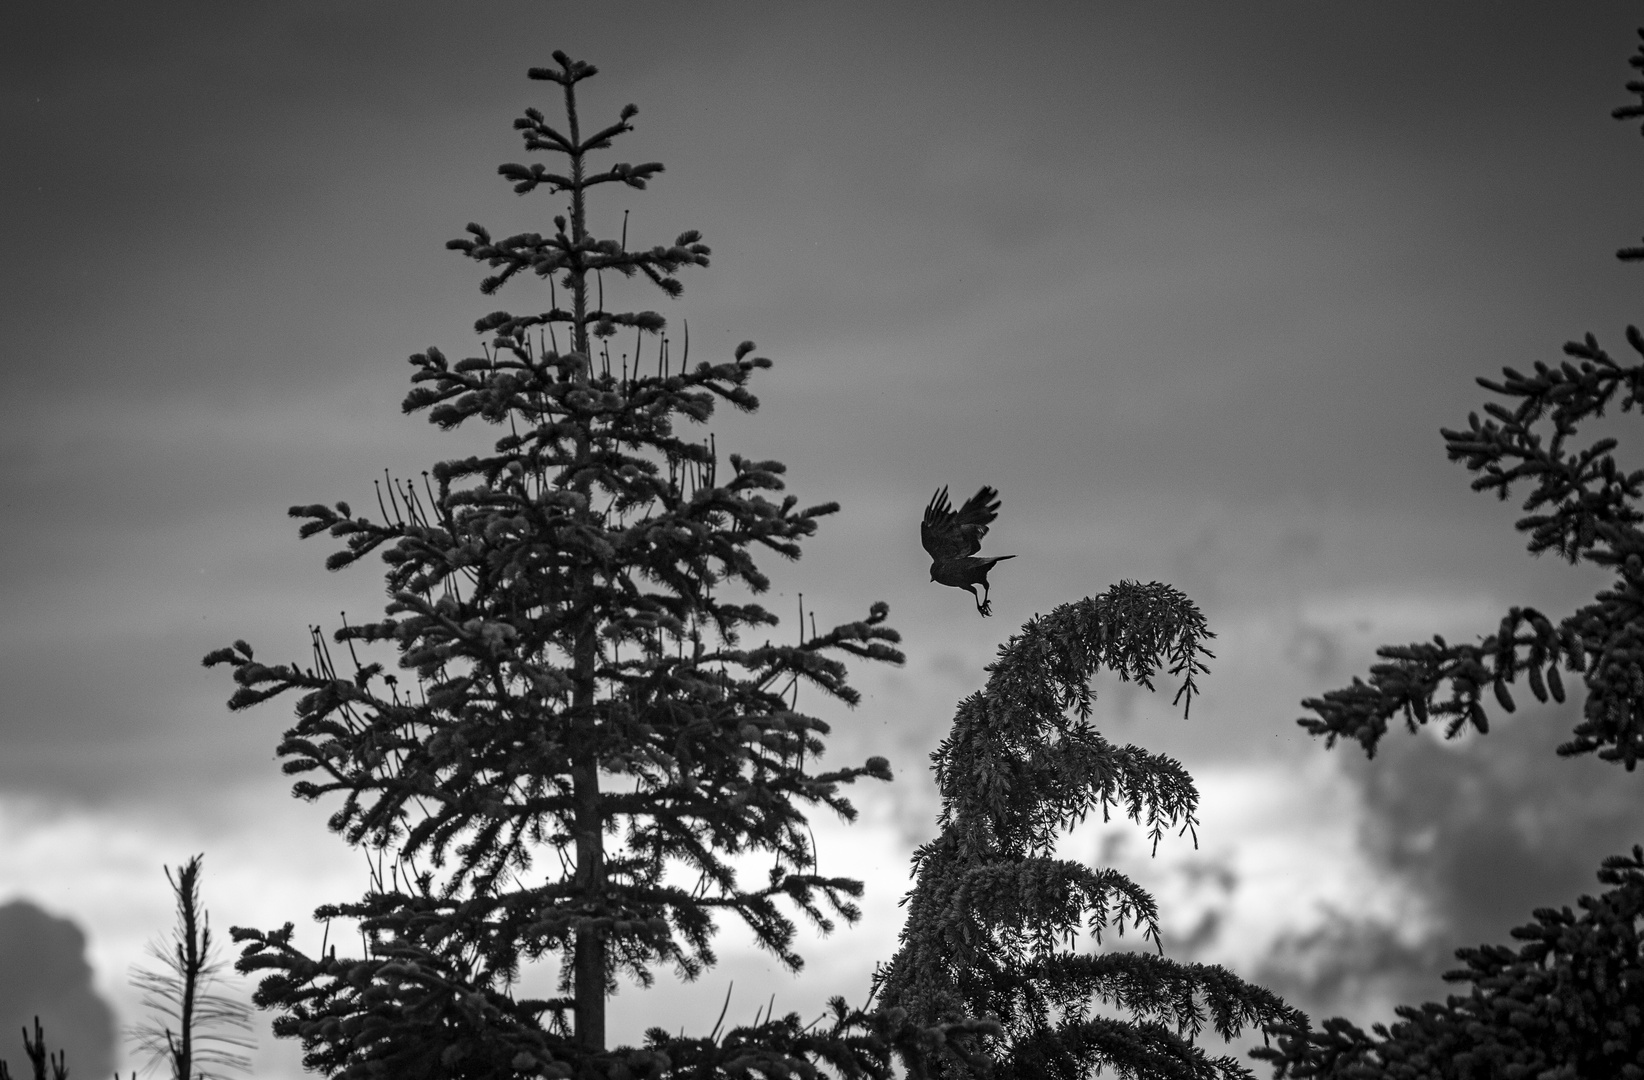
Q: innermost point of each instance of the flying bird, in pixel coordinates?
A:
(953, 537)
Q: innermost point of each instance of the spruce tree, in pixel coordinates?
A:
(994, 914)
(1569, 1001)
(587, 722)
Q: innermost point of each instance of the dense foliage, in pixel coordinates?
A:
(994, 913)
(1569, 1002)
(586, 726)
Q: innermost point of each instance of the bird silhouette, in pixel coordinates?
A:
(953, 537)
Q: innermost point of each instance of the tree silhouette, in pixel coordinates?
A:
(195, 1030)
(1569, 1002)
(40, 1057)
(993, 912)
(584, 730)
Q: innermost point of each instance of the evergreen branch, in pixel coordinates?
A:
(855, 1044)
(1185, 997)
(1412, 680)
(1590, 499)
(1134, 1050)
(1586, 510)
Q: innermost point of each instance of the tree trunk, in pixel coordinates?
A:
(589, 959)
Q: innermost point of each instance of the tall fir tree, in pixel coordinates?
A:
(994, 914)
(1569, 1001)
(587, 725)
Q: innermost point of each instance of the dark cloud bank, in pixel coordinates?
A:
(44, 973)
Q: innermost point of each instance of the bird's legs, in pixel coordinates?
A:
(984, 607)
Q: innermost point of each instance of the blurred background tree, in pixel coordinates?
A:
(195, 1031)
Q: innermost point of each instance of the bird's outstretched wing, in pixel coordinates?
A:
(936, 531)
(953, 534)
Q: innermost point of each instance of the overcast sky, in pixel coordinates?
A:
(1194, 285)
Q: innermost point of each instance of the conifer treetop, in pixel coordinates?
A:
(994, 913)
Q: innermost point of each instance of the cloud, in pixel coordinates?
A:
(47, 975)
(1350, 964)
(1480, 832)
